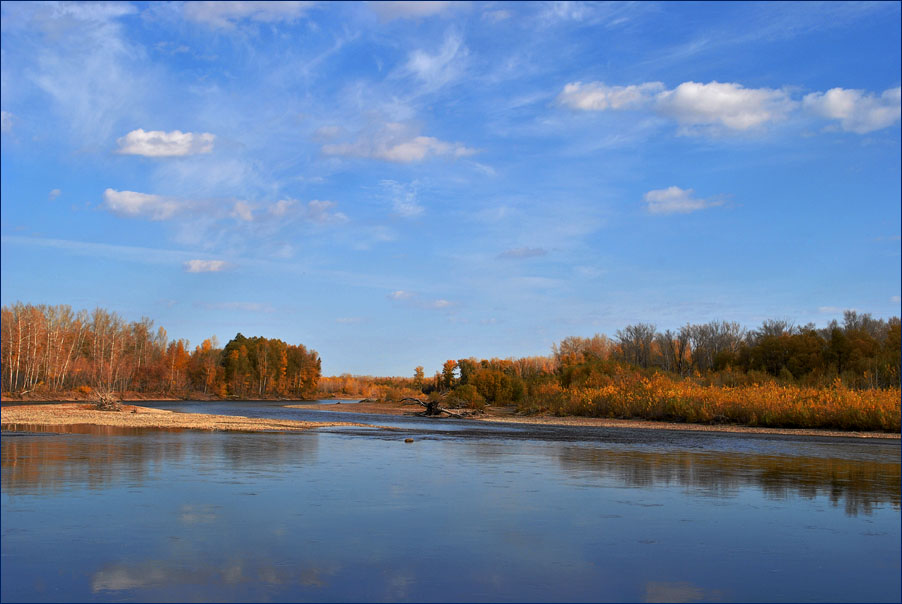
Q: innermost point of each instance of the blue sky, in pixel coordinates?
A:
(397, 184)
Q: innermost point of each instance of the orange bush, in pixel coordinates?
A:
(769, 404)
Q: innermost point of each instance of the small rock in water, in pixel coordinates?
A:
(408, 440)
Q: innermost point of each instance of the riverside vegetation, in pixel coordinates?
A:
(845, 376)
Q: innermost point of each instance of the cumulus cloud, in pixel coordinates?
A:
(400, 295)
(596, 96)
(728, 106)
(226, 14)
(691, 104)
(396, 143)
(725, 104)
(856, 110)
(156, 143)
(132, 204)
(674, 200)
(523, 252)
(53, 194)
(409, 10)
(205, 266)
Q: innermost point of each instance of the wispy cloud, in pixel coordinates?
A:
(133, 204)
(415, 299)
(401, 9)
(227, 14)
(54, 193)
(157, 143)
(438, 69)
(397, 142)
(205, 266)
(522, 253)
(404, 198)
(674, 200)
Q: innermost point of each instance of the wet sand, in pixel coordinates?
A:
(21, 417)
(507, 415)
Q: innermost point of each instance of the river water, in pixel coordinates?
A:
(466, 512)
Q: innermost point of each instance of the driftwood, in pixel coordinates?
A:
(106, 400)
(433, 408)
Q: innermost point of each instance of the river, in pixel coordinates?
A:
(468, 511)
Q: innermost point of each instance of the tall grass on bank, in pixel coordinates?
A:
(659, 397)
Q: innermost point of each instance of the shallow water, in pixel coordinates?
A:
(467, 512)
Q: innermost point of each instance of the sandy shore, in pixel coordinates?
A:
(506, 415)
(26, 417)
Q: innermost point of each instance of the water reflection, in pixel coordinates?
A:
(858, 484)
(193, 516)
(31, 464)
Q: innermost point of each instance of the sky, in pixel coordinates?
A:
(397, 184)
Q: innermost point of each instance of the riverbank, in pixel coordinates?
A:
(28, 417)
(507, 415)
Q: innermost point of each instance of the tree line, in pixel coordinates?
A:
(861, 352)
(52, 349)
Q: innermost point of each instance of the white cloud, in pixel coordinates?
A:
(243, 211)
(856, 110)
(731, 106)
(53, 194)
(348, 320)
(691, 104)
(396, 143)
(596, 96)
(6, 121)
(523, 252)
(156, 143)
(400, 295)
(674, 200)
(226, 14)
(409, 10)
(725, 104)
(895, 299)
(829, 310)
(130, 203)
(205, 266)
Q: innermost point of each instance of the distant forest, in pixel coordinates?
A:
(51, 349)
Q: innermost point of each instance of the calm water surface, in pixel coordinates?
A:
(467, 512)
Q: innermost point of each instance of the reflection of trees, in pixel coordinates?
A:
(860, 484)
(37, 463)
